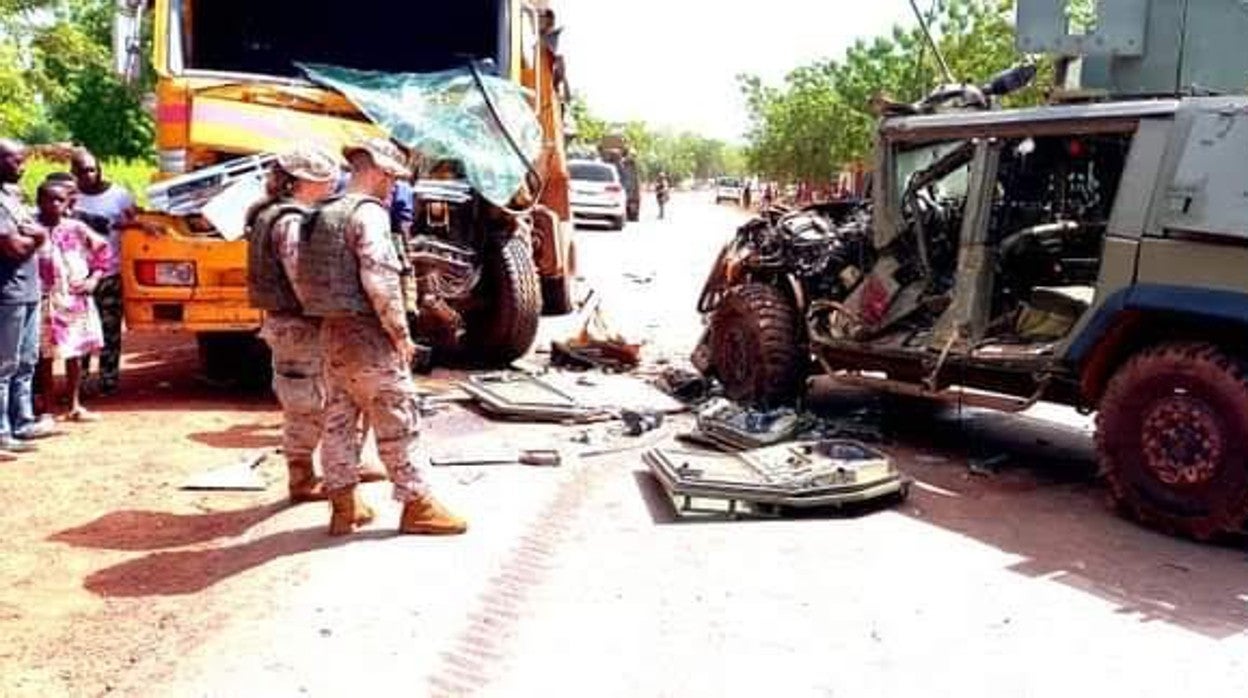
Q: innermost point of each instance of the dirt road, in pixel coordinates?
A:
(1011, 580)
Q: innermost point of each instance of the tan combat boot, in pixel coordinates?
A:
(348, 512)
(426, 516)
(305, 486)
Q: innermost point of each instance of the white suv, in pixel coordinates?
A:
(596, 193)
(728, 189)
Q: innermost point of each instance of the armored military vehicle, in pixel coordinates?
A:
(1088, 253)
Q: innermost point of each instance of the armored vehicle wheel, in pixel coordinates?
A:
(1172, 438)
(504, 326)
(755, 346)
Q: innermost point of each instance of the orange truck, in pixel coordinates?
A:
(227, 87)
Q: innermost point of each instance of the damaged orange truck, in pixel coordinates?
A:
(227, 87)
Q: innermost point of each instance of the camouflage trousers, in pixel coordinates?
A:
(109, 303)
(365, 376)
(297, 382)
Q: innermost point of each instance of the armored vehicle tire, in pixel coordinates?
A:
(756, 347)
(1172, 439)
(503, 328)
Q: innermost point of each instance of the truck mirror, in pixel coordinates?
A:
(127, 39)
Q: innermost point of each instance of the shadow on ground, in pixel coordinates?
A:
(183, 572)
(1029, 487)
(158, 530)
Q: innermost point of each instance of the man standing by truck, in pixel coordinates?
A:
(300, 179)
(113, 203)
(349, 275)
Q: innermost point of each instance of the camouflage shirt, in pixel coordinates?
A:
(368, 235)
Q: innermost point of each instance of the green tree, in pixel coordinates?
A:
(820, 120)
(56, 78)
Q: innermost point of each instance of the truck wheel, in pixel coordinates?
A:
(235, 358)
(503, 328)
(558, 292)
(1172, 439)
(755, 346)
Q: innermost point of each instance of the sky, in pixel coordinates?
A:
(673, 63)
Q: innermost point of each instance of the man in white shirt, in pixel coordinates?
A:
(97, 197)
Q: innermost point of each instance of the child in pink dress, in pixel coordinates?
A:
(71, 263)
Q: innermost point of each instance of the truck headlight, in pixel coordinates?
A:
(150, 273)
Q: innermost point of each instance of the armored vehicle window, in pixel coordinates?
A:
(1208, 192)
(913, 161)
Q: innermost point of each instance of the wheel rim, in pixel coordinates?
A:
(1183, 441)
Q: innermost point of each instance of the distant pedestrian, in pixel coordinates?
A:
(747, 195)
(71, 264)
(114, 204)
(662, 192)
(20, 239)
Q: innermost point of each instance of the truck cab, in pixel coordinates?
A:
(228, 88)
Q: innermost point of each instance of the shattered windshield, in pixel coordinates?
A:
(910, 162)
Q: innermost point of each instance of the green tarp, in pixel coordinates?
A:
(444, 116)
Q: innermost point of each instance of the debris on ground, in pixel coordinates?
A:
(595, 344)
(798, 475)
(684, 385)
(739, 428)
(557, 397)
(637, 423)
(543, 457)
(987, 467)
(239, 476)
(520, 396)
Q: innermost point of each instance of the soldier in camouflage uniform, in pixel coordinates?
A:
(349, 275)
(300, 179)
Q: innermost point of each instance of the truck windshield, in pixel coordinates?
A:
(268, 38)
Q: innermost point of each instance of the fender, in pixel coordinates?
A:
(1129, 311)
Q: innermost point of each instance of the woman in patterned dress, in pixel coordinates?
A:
(71, 264)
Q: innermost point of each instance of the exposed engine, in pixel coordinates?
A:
(443, 249)
(819, 251)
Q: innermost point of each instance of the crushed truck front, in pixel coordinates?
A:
(228, 87)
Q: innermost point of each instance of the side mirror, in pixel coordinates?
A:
(127, 39)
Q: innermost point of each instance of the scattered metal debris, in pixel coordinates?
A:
(237, 476)
(738, 428)
(566, 398)
(544, 457)
(520, 396)
(637, 423)
(987, 467)
(803, 474)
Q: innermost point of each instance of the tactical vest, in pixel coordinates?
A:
(268, 288)
(329, 273)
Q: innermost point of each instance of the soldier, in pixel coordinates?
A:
(301, 178)
(350, 275)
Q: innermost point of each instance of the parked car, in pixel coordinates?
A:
(597, 195)
(728, 189)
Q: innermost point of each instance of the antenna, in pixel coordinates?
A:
(1178, 68)
(940, 57)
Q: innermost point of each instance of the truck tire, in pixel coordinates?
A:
(756, 348)
(239, 359)
(1172, 439)
(559, 292)
(505, 325)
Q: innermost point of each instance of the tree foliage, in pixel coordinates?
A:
(56, 78)
(819, 120)
(680, 154)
